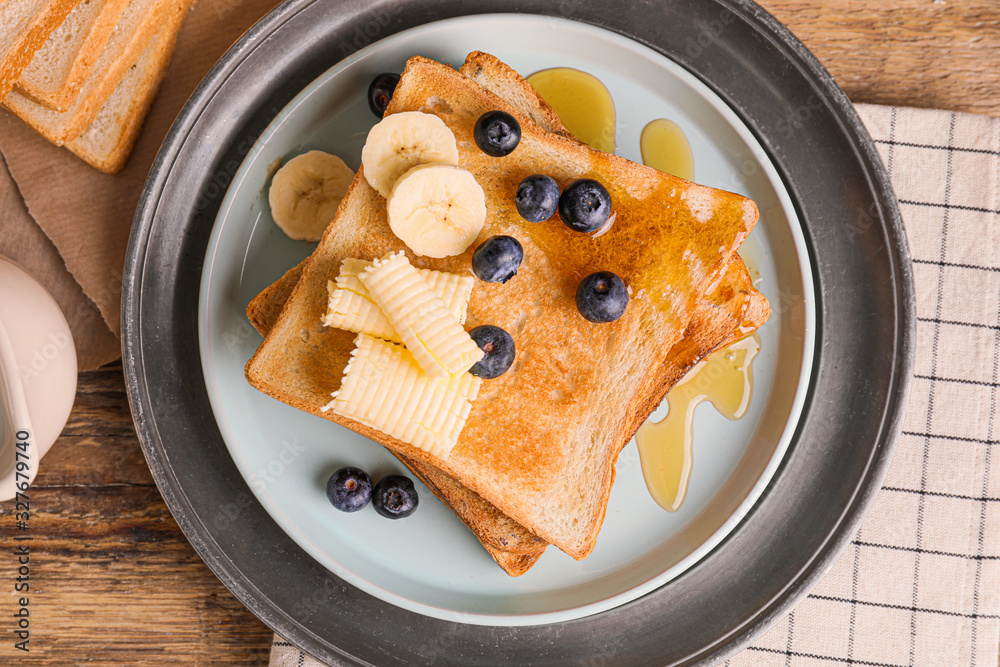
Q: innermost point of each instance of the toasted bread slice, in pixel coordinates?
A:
(141, 22)
(24, 27)
(541, 441)
(733, 310)
(107, 142)
(55, 75)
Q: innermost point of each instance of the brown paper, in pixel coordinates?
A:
(23, 241)
(88, 214)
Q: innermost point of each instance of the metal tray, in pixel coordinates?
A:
(813, 506)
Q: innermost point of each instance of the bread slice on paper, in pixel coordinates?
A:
(107, 142)
(24, 27)
(541, 441)
(59, 68)
(140, 23)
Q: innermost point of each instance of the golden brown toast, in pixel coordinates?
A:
(731, 311)
(541, 441)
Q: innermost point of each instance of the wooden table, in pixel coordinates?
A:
(114, 582)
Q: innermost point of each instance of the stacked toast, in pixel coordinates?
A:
(534, 463)
(83, 73)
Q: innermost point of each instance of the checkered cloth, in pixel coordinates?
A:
(920, 583)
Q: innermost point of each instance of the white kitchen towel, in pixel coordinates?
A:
(919, 586)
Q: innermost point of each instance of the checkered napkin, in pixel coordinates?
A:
(920, 583)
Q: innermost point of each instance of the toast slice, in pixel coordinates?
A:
(107, 142)
(24, 27)
(733, 310)
(541, 442)
(140, 23)
(55, 75)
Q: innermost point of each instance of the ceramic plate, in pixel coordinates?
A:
(286, 455)
(782, 133)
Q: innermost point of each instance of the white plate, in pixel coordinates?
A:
(430, 563)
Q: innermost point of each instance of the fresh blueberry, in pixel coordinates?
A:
(394, 497)
(380, 92)
(537, 198)
(497, 133)
(585, 205)
(349, 489)
(601, 297)
(499, 349)
(497, 259)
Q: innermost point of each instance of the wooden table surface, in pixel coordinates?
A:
(114, 582)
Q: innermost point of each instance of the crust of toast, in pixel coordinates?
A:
(514, 564)
(541, 442)
(133, 35)
(24, 27)
(503, 81)
(56, 73)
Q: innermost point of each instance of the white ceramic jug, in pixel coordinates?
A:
(37, 376)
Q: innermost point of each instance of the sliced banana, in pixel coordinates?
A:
(430, 332)
(384, 388)
(350, 306)
(437, 210)
(306, 192)
(404, 140)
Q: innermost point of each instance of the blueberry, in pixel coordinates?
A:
(499, 349)
(380, 92)
(537, 198)
(585, 205)
(497, 133)
(497, 259)
(349, 489)
(394, 497)
(601, 297)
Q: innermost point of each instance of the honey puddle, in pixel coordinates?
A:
(665, 147)
(583, 103)
(725, 379)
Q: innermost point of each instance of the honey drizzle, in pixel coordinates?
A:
(725, 379)
(582, 102)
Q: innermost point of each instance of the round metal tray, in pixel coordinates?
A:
(812, 508)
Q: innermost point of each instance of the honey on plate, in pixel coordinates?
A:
(725, 379)
(664, 146)
(583, 103)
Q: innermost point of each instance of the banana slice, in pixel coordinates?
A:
(384, 388)
(437, 210)
(404, 140)
(432, 334)
(350, 306)
(306, 192)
